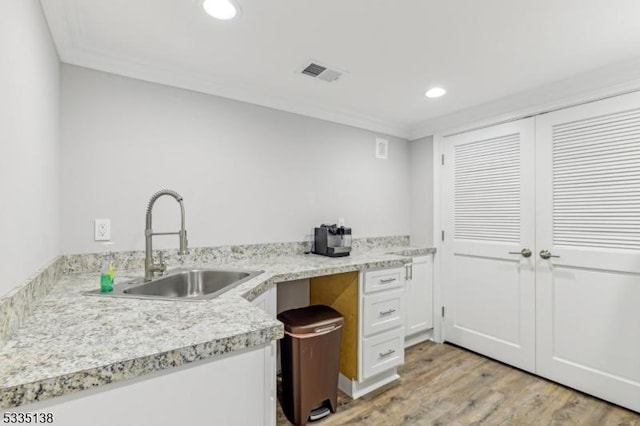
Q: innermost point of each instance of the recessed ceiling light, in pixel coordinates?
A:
(220, 9)
(435, 92)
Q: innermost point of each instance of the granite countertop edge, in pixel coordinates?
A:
(47, 388)
(265, 331)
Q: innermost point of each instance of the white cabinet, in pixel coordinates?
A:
(419, 300)
(382, 307)
(380, 331)
(382, 352)
(373, 306)
(200, 393)
(267, 301)
(383, 311)
(383, 279)
(206, 392)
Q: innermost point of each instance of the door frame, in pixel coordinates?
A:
(438, 225)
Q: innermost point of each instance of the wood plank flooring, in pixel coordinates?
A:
(447, 385)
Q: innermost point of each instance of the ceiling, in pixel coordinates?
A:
(494, 57)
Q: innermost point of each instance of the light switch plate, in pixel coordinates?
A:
(102, 230)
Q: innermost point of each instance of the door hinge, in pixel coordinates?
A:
(443, 312)
(443, 159)
(443, 235)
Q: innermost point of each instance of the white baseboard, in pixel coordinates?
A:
(356, 389)
(416, 338)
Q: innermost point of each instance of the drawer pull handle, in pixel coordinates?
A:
(387, 353)
(387, 281)
(390, 311)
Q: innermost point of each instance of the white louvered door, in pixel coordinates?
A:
(490, 288)
(588, 214)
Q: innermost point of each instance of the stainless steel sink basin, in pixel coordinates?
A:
(182, 284)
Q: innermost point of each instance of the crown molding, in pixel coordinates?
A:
(231, 90)
(601, 83)
(612, 80)
(67, 34)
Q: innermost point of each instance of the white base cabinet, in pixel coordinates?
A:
(231, 390)
(381, 295)
(382, 308)
(419, 300)
(236, 389)
(382, 352)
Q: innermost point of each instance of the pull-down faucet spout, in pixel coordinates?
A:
(149, 266)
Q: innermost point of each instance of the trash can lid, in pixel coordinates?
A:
(309, 318)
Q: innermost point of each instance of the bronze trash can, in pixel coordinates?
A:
(310, 355)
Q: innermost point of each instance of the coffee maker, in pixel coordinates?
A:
(332, 240)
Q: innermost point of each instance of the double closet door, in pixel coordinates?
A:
(542, 248)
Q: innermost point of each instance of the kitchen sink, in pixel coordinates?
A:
(182, 284)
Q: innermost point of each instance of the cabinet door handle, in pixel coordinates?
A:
(408, 271)
(387, 353)
(525, 252)
(546, 254)
(388, 312)
(387, 281)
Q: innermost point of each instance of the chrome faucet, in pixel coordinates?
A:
(150, 267)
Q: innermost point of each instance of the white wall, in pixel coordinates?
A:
(421, 204)
(29, 166)
(248, 174)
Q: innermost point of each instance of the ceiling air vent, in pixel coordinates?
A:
(321, 72)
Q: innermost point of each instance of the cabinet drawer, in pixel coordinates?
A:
(384, 279)
(382, 352)
(383, 311)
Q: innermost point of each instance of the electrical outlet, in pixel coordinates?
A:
(102, 230)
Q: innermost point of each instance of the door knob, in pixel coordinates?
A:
(525, 252)
(546, 254)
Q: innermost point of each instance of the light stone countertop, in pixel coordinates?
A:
(73, 342)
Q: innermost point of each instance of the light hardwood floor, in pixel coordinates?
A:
(447, 385)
